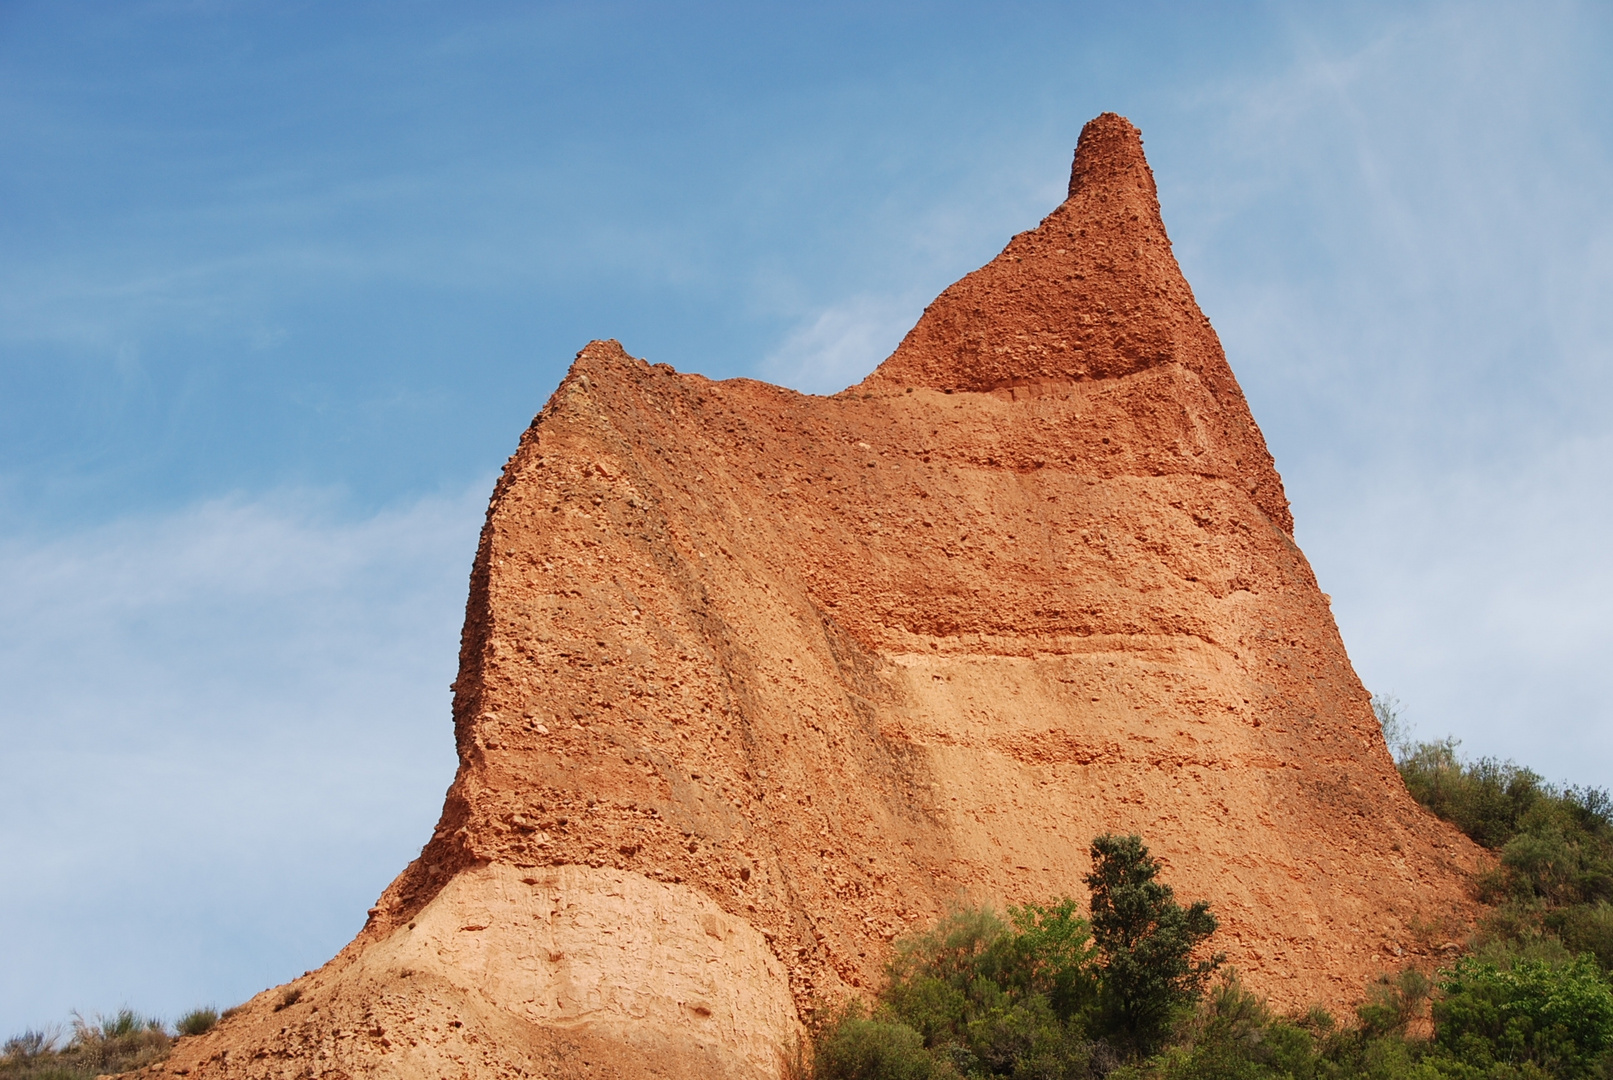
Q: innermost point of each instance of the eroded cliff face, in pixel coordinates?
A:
(753, 681)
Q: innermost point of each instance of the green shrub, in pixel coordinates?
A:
(108, 1044)
(1554, 878)
(853, 1047)
(1035, 994)
(1486, 799)
(1233, 1036)
(1557, 1017)
(1393, 1002)
(991, 996)
(120, 1025)
(1396, 728)
(1587, 928)
(1146, 942)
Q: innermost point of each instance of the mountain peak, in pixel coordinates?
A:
(1109, 158)
(1093, 292)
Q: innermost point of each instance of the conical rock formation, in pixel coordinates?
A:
(753, 681)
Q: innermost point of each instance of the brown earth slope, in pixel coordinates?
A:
(752, 681)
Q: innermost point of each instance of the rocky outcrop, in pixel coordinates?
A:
(753, 681)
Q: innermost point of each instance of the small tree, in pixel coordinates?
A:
(1145, 942)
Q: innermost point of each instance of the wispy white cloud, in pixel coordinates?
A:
(235, 719)
(1483, 599)
(1404, 244)
(837, 346)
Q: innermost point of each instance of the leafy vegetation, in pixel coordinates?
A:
(1146, 941)
(1492, 1019)
(970, 996)
(1557, 1017)
(1553, 885)
(1041, 993)
(108, 1044)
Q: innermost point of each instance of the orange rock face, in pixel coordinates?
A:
(753, 681)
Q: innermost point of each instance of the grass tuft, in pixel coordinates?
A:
(118, 1042)
(197, 1022)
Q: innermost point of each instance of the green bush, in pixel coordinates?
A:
(120, 1042)
(1586, 928)
(1554, 877)
(854, 1047)
(1233, 1036)
(1558, 1017)
(1035, 994)
(994, 996)
(1146, 942)
(1393, 1002)
(1486, 799)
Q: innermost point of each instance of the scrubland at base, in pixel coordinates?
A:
(752, 682)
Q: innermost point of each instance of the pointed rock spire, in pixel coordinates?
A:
(1109, 160)
(1092, 293)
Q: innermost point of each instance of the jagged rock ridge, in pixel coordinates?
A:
(753, 681)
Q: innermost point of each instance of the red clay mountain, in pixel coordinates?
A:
(753, 681)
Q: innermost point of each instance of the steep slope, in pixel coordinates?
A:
(752, 681)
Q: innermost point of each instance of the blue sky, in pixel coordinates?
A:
(281, 285)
